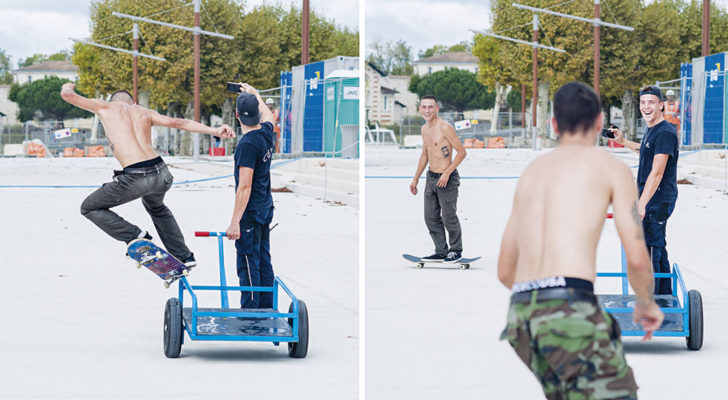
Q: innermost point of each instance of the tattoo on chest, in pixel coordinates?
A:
(445, 151)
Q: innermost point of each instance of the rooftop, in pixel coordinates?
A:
(456, 57)
(50, 66)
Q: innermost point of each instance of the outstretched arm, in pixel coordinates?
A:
(68, 93)
(619, 138)
(223, 131)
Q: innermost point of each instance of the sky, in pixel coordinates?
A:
(423, 24)
(44, 26)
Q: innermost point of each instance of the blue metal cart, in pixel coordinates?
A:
(683, 308)
(234, 324)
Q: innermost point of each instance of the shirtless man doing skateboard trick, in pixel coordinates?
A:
(548, 259)
(441, 186)
(144, 175)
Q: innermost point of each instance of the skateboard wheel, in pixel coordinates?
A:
(159, 254)
(462, 266)
(186, 272)
(139, 265)
(166, 285)
(420, 265)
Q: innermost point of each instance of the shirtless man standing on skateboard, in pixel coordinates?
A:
(548, 259)
(441, 187)
(128, 127)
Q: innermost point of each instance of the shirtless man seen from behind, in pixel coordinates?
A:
(144, 174)
(548, 259)
(441, 186)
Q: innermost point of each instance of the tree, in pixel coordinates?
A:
(41, 100)
(6, 77)
(63, 55)
(438, 49)
(456, 89)
(513, 100)
(392, 58)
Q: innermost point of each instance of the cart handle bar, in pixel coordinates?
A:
(206, 234)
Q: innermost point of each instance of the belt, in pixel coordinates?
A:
(439, 174)
(554, 294)
(154, 169)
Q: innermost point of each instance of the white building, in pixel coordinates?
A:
(460, 60)
(380, 103)
(61, 69)
(407, 99)
(7, 107)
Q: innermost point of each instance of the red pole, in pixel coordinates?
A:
(523, 105)
(196, 38)
(304, 33)
(135, 62)
(706, 27)
(534, 60)
(596, 48)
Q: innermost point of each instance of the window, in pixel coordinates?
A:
(386, 100)
(429, 70)
(28, 78)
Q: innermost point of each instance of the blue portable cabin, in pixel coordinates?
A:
(704, 100)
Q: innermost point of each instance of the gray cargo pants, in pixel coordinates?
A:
(151, 184)
(441, 206)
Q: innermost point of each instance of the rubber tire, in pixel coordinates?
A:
(173, 328)
(300, 348)
(695, 318)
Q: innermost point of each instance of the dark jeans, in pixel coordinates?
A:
(441, 205)
(150, 184)
(654, 225)
(254, 263)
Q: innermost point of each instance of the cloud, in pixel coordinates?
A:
(24, 33)
(423, 24)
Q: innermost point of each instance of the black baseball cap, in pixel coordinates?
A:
(653, 90)
(247, 106)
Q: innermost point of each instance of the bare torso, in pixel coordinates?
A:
(560, 207)
(129, 130)
(439, 149)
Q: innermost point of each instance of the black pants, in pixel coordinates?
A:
(654, 225)
(150, 184)
(441, 205)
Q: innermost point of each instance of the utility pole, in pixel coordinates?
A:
(596, 46)
(706, 27)
(597, 23)
(135, 53)
(304, 33)
(135, 61)
(196, 31)
(534, 71)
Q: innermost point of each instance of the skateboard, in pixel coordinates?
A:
(464, 263)
(157, 260)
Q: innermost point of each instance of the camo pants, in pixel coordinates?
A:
(573, 348)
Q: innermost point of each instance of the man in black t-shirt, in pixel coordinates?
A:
(656, 179)
(253, 212)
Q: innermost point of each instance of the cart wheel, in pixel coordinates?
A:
(172, 328)
(695, 318)
(299, 349)
(420, 265)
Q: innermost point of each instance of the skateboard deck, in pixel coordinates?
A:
(157, 260)
(464, 263)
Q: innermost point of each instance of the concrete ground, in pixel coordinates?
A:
(433, 333)
(81, 322)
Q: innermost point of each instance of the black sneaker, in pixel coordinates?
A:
(190, 261)
(453, 257)
(434, 257)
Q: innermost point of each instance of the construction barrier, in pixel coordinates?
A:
(95, 151)
(35, 148)
(473, 144)
(73, 152)
(496, 143)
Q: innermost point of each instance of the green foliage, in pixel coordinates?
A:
(392, 58)
(456, 89)
(513, 99)
(267, 41)
(38, 58)
(667, 33)
(6, 77)
(41, 100)
(438, 49)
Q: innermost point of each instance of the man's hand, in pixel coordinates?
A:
(413, 187)
(618, 136)
(244, 87)
(649, 316)
(68, 86)
(641, 208)
(233, 231)
(442, 182)
(225, 131)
